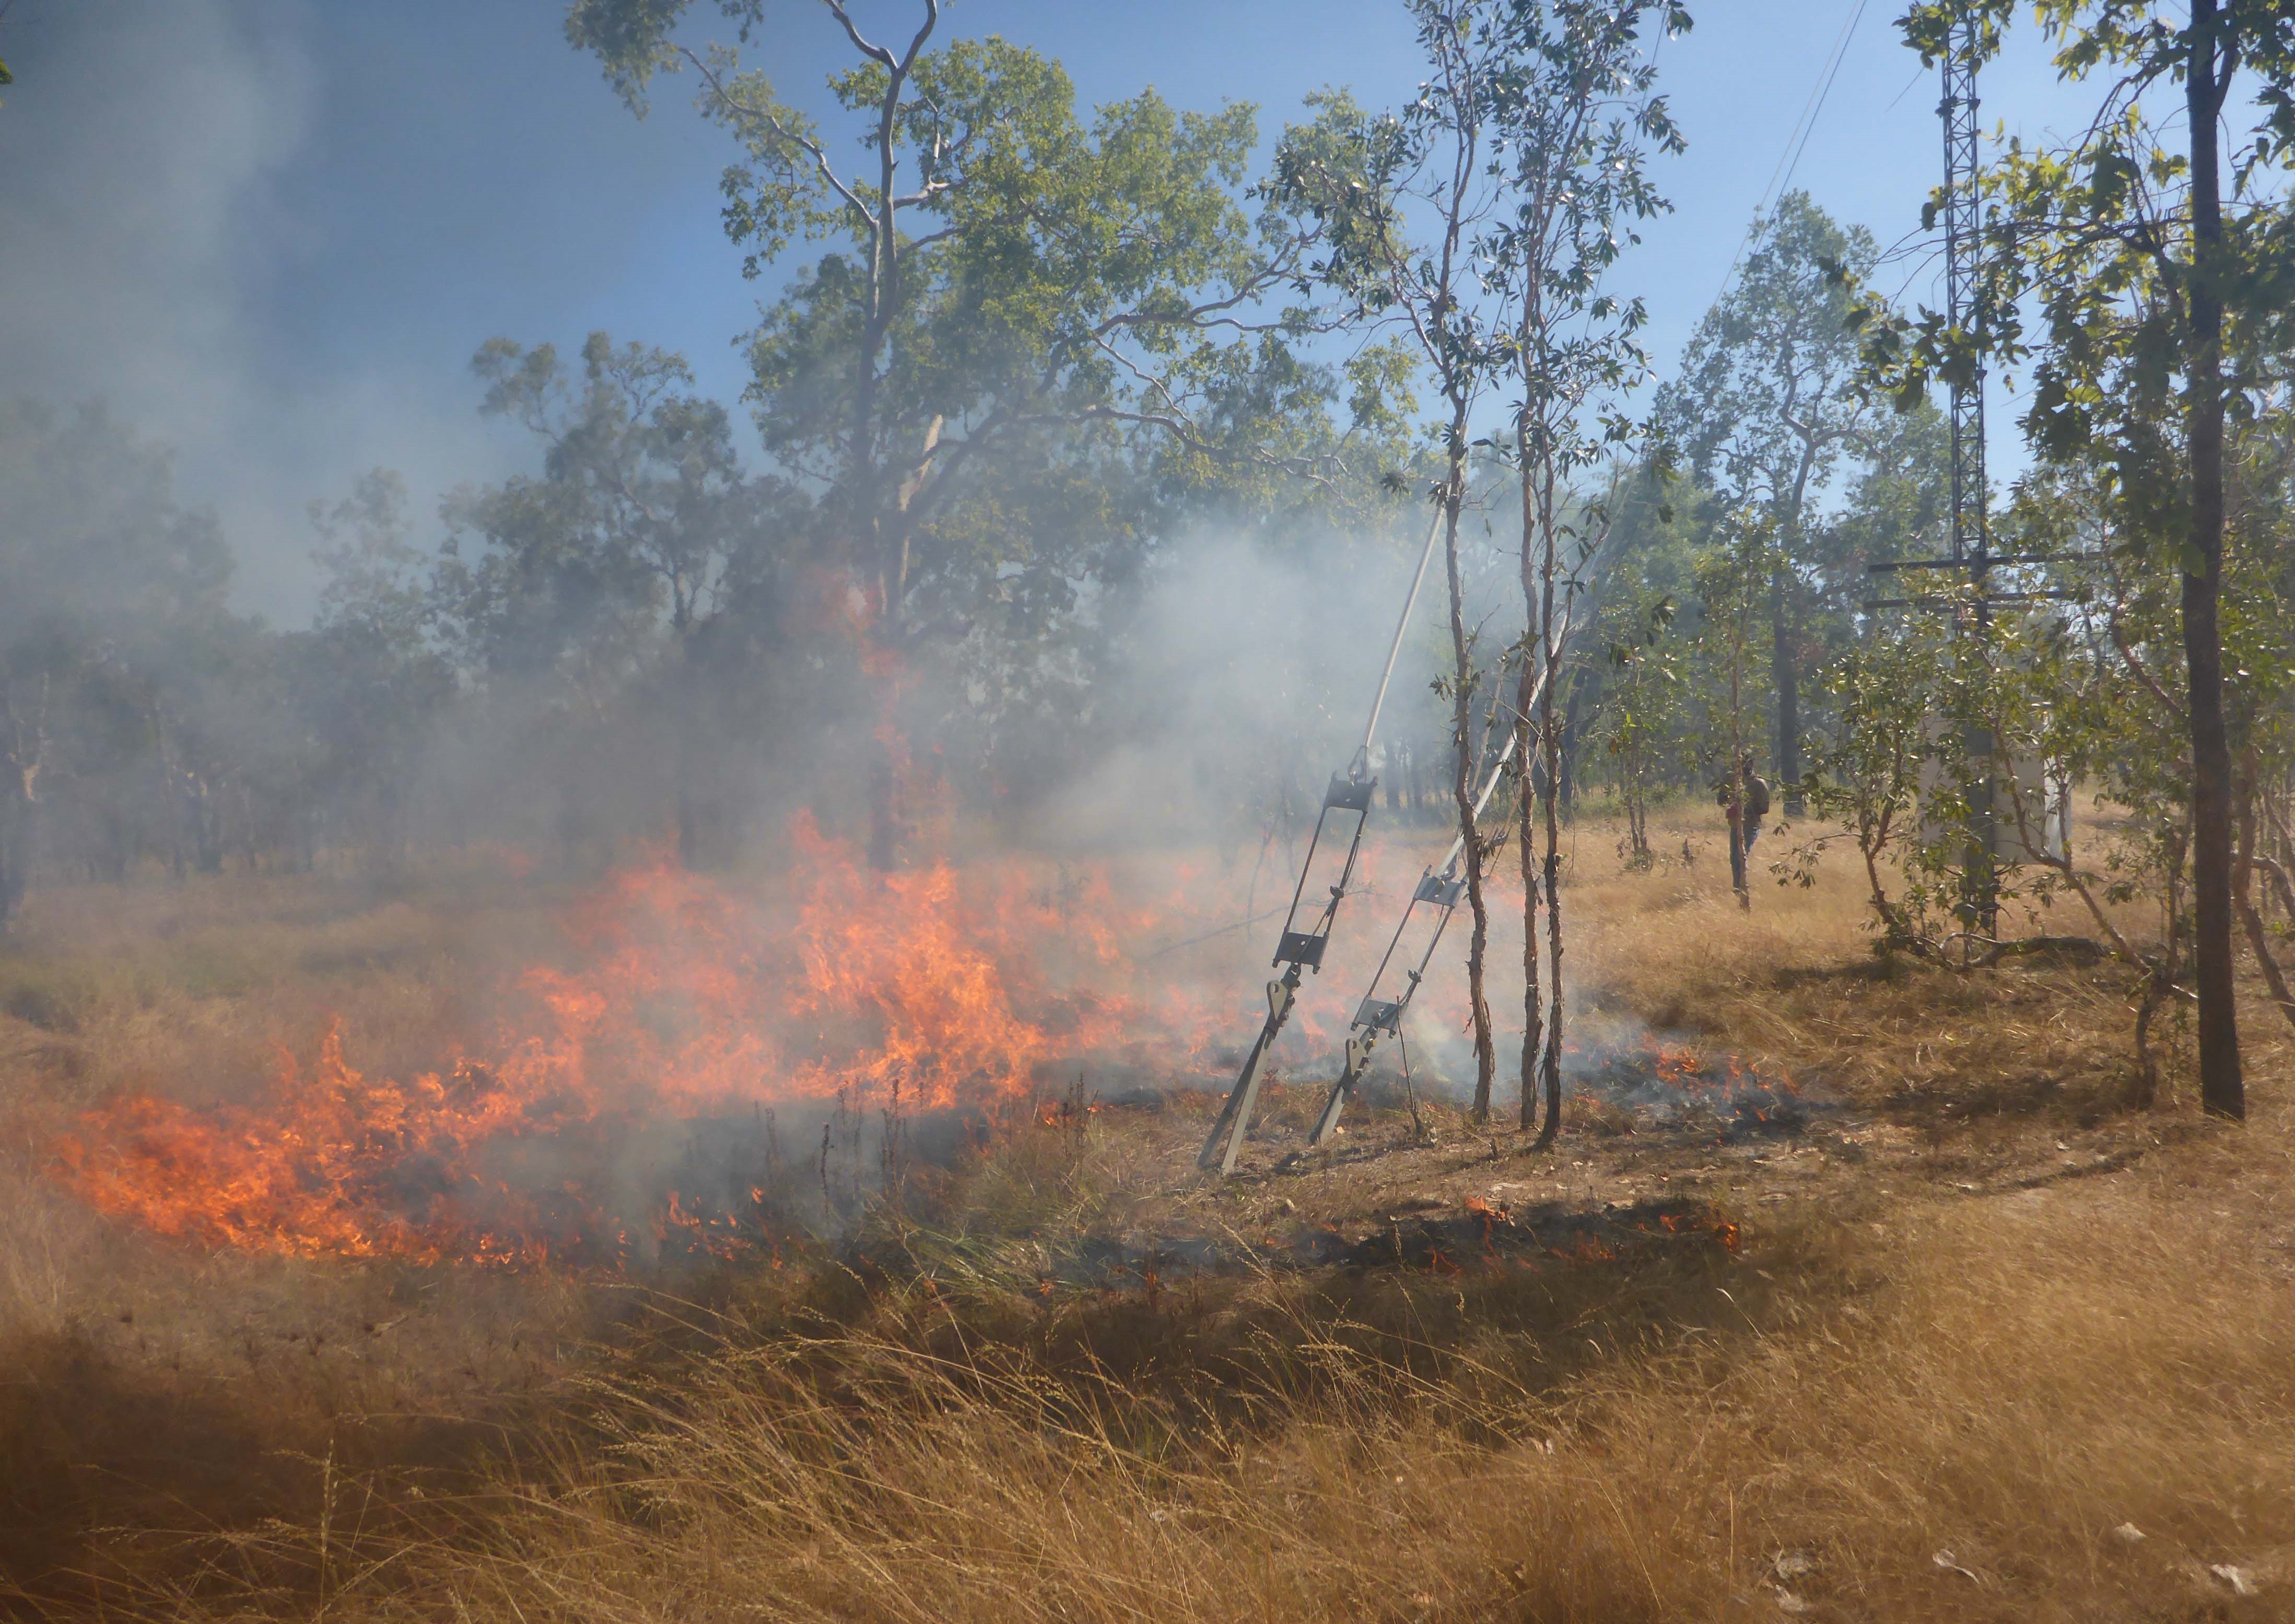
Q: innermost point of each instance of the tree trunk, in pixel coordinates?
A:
(1571, 718)
(1788, 687)
(1533, 1016)
(1462, 784)
(1541, 1048)
(2221, 1093)
(696, 805)
(164, 764)
(1736, 806)
(2259, 940)
(24, 755)
(884, 808)
(207, 826)
(1550, 1063)
(1526, 857)
(15, 844)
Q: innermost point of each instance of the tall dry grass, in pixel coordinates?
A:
(1945, 1414)
(1793, 981)
(1911, 1405)
(156, 1400)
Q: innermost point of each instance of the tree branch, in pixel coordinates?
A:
(781, 132)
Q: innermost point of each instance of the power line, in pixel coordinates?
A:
(1832, 72)
(1796, 142)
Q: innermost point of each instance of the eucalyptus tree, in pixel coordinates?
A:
(1405, 204)
(1003, 268)
(2152, 271)
(2259, 643)
(1575, 116)
(641, 522)
(108, 577)
(2114, 714)
(367, 683)
(1639, 704)
(1733, 575)
(1894, 504)
(1767, 405)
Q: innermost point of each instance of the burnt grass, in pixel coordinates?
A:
(1479, 1235)
(1673, 1150)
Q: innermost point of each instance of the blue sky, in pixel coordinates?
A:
(272, 231)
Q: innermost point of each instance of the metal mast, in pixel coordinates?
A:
(1970, 553)
(1971, 544)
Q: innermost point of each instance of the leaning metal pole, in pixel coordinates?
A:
(1438, 888)
(1305, 935)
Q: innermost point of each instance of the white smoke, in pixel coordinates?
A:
(144, 151)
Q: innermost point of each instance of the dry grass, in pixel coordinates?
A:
(1903, 1403)
(1998, 1386)
(155, 1401)
(1793, 983)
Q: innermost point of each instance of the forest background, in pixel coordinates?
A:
(1039, 419)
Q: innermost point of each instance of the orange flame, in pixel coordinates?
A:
(902, 991)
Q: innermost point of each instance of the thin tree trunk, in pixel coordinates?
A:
(2281, 886)
(1893, 925)
(247, 831)
(1550, 738)
(887, 558)
(25, 755)
(1526, 857)
(1534, 1019)
(2243, 899)
(2222, 1092)
(1537, 516)
(2159, 986)
(1736, 808)
(694, 845)
(2276, 867)
(15, 845)
(173, 821)
(15, 858)
(1788, 687)
(1462, 785)
(1788, 676)
(1571, 718)
(2156, 988)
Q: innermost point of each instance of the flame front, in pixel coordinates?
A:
(683, 1004)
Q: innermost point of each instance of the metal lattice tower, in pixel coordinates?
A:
(1971, 547)
(1971, 542)
(1970, 554)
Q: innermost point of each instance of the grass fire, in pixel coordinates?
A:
(683, 1009)
(1078, 815)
